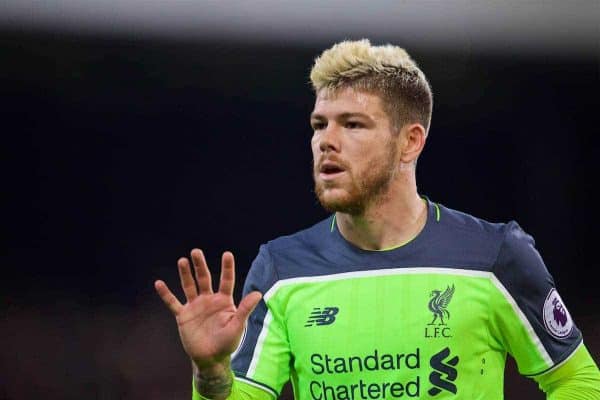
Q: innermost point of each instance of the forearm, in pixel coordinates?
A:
(575, 392)
(214, 383)
(238, 391)
(583, 386)
(577, 379)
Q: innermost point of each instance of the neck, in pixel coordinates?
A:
(394, 218)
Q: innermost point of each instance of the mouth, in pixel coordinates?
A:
(330, 170)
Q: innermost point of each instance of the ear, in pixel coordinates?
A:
(412, 141)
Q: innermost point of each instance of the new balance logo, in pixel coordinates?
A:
(324, 316)
(443, 367)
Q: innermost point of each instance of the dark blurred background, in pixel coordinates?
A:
(134, 132)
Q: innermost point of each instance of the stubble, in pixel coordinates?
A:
(365, 187)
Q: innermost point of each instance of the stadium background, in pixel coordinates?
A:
(129, 139)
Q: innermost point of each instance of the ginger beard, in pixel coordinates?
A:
(360, 188)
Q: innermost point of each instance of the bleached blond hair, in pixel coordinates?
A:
(384, 70)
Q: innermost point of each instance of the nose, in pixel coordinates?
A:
(330, 138)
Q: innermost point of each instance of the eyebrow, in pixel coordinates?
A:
(342, 116)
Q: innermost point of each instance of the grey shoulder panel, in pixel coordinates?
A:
(521, 270)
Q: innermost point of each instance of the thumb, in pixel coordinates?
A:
(247, 305)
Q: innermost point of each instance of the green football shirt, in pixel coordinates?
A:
(432, 319)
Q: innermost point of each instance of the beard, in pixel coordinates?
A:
(365, 187)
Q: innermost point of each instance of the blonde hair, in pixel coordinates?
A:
(385, 70)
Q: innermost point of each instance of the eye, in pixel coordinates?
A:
(318, 125)
(354, 125)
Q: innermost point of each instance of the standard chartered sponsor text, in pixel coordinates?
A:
(369, 379)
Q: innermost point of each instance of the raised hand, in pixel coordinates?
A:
(210, 326)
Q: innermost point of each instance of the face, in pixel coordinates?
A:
(354, 150)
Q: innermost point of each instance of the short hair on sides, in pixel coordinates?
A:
(384, 70)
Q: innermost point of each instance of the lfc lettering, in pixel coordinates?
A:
(437, 331)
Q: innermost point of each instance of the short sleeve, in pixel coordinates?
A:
(528, 317)
(263, 357)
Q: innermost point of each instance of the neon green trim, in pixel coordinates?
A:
(332, 223)
(437, 212)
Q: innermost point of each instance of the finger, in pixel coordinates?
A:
(227, 274)
(187, 281)
(167, 297)
(202, 272)
(247, 305)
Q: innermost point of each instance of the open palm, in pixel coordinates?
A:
(210, 325)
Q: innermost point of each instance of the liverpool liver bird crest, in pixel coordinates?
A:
(438, 304)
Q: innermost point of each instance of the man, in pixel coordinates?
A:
(394, 295)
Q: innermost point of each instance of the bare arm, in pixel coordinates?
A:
(214, 384)
(210, 325)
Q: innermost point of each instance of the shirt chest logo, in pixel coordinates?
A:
(438, 305)
(322, 316)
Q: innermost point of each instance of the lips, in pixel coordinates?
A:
(330, 169)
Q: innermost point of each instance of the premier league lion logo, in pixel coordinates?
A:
(559, 312)
(556, 317)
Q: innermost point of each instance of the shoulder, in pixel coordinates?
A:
(310, 237)
(466, 224)
(468, 240)
(506, 239)
(506, 248)
(295, 251)
(285, 256)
